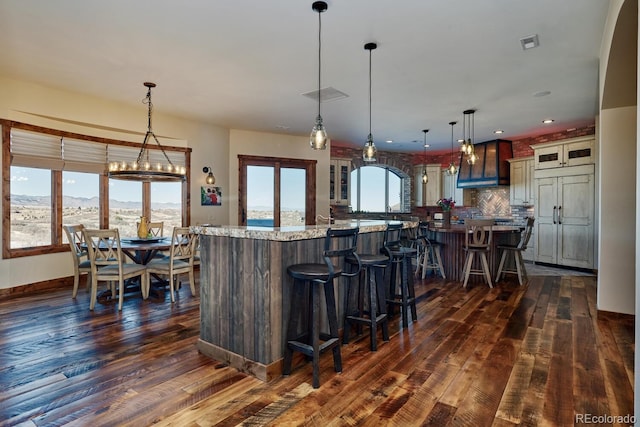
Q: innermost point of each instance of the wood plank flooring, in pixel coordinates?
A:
(537, 355)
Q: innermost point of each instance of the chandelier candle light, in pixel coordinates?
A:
(142, 169)
(318, 138)
(369, 152)
(467, 146)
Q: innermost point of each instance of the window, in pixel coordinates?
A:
(379, 189)
(31, 211)
(80, 199)
(273, 191)
(57, 178)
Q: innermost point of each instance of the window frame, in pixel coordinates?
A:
(405, 184)
(57, 244)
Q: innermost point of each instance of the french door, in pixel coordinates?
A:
(276, 192)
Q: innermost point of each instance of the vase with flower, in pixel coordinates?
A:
(447, 205)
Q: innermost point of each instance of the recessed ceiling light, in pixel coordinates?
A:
(498, 131)
(529, 42)
(283, 127)
(426, 146)
(389, 141)
(461, 141)
(542, 93)
(547, 121)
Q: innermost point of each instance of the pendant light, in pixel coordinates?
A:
(452, 169)
(318, 138)
(369, 152)
(469, 149)
(142, 168)
(425, 177)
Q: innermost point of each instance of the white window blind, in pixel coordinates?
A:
(84, 156)
(40, 150)
(37, 150)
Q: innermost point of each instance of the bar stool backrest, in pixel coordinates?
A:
(526, 234)
(341, 243)
(479, 233)
(392, 238)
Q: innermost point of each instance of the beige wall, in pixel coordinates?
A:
(49, 107)
(276, 145)
(617, 189)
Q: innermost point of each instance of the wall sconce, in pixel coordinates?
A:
(210, 178)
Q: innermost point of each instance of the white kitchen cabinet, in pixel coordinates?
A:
(522, 187)
(340, 180)
(565, 216)
(427, 194)
(450, 189)
(567, 153)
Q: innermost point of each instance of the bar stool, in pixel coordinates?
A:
(400, 256)
(308, 279)
(516, 251)
(429, 252)
(372, 313)
(477, 240)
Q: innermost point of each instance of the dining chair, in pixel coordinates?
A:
(516, 251)
(107, 264)
(180, 260)
(478, 235)
(78, 252)
(156, 228)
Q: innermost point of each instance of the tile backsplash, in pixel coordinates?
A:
(494, 202)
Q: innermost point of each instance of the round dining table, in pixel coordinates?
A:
(452, 238)
(141, 251)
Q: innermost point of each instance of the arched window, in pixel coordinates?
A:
(380, 188)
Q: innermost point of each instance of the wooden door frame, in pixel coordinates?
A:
(277, 163)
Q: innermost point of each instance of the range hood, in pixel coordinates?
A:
(491, 169)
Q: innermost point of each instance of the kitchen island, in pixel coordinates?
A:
(453, 254)
(245, 291)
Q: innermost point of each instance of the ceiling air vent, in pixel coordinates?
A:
(529, 42)
(327, 94)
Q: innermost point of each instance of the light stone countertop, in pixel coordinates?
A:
(292, 233)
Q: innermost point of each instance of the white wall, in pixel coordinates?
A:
(276, 145)
(49, 107)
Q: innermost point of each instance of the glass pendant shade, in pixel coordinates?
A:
(318, 139)
(425, 177)
(452, 169)
(369, 151)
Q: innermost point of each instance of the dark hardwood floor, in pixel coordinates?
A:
(534, 355)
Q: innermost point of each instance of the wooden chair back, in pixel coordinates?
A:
(341, 243)
(103, 247)
(479, 233)
(75, 237)
(526, 234)
(183, 246)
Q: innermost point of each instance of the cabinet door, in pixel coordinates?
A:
(546, 243)
(332, 182)
(530, 182)
(578, 153)
(575, 220)
(344, 174)
(549, 157)
(433, 191)
(518, 187)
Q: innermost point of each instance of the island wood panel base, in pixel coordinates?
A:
(246, 293)
(453, 254)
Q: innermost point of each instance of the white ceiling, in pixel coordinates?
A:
(244, 64)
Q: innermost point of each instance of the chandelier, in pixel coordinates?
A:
(318, 138)
(142, 169)
(369, 151)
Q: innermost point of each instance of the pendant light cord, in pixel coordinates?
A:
(319, 55)
(369, 91)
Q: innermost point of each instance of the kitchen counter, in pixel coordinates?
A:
(245, 291)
